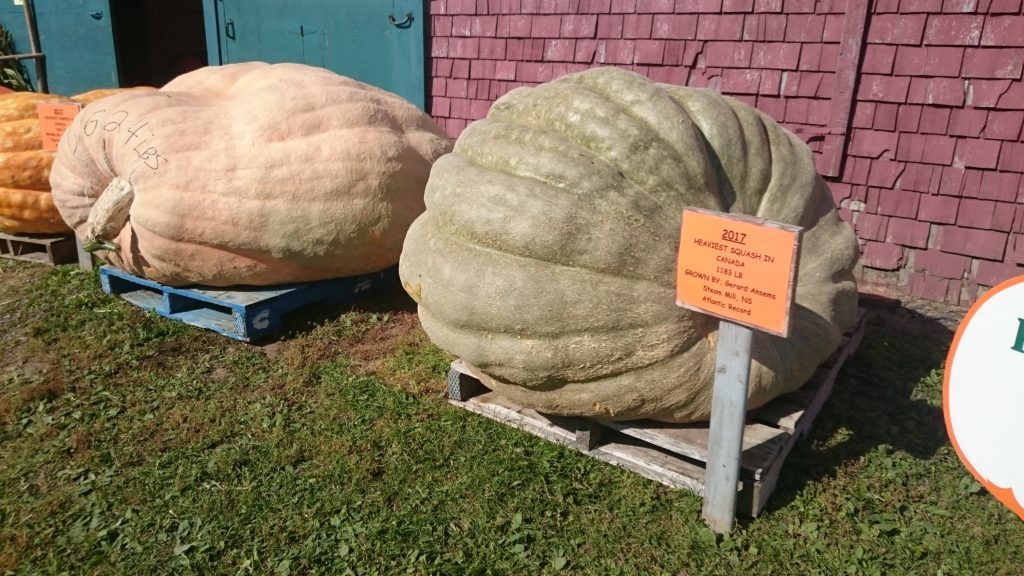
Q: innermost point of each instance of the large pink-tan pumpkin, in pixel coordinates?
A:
(250, 173)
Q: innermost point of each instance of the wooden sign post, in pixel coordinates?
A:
(742, 270)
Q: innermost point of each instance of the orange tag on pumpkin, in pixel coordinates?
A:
(54, 119)
(737, 268)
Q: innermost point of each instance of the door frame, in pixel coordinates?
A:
(210, 14)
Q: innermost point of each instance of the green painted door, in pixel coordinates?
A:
(77, 39)
(377, 42)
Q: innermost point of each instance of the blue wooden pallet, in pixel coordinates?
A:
(244, 313)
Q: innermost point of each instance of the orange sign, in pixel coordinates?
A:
(54, 119)
(738, 268)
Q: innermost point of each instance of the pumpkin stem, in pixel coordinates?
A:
(94, 244)
(109, 215)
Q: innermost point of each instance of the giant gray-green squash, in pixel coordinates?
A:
(546, 256)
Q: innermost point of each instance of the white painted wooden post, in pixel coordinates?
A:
(728, 412)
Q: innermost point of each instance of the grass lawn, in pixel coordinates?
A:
(130, 444)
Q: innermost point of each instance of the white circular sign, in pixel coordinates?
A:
(983, 392)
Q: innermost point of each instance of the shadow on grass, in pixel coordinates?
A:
(887, 396)
(302, 321)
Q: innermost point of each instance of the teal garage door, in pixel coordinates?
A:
(77, 39)
(374, 41)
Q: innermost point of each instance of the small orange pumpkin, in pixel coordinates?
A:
(26, 205)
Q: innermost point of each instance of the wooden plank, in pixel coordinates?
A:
(589, 434)
(847, 69)
(725, 438)
(856, 334)
(145, 299)
(243, 295)
(755, 502)
(761, 443)
(622, 451)
(652, 464)
(779, 412)
(786, 411)
(47, 249)
(757, 497)
(222, 323)
(498, 408)
(815, 405)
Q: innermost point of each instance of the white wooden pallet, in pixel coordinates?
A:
(674, 454)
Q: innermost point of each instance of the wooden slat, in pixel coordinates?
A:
(498, 408)
(780, 412)
(843, 93)
(653, 464)
(787, 410)
(85, 259)
(49, 249)
(761, 443)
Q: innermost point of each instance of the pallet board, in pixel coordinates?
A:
(675, 454)
(48, 249)
(242, 313)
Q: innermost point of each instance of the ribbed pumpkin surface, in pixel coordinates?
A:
(252, 174)
(546, 256)
(26, 206)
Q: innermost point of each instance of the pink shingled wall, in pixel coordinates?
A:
(914, 108)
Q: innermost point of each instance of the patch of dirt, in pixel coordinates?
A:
(220, 375)
(12, 548)
(379, 353)
(80, 441)
(371, 351)
(168, 354)
(17, 282)
(26, 377)
(272, 349)
(368, 349)
(48, 389)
